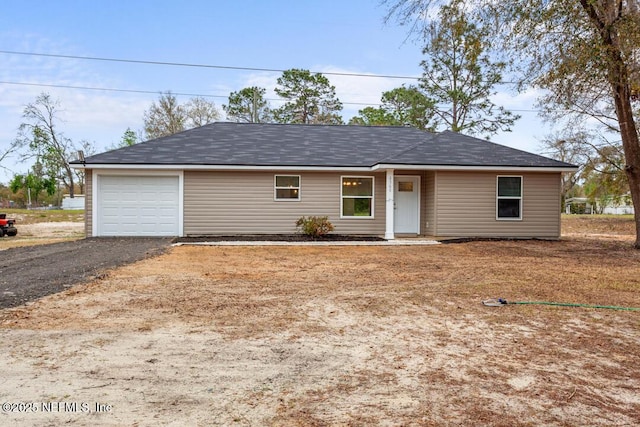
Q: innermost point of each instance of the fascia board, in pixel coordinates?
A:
(475, 168)
(220, 167)
(375, 168)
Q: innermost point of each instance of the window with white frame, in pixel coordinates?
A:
(509, 198)
(287, 187)
(357, 197)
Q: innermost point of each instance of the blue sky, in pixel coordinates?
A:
(327, 36)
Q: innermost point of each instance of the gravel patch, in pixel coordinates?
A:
(29, 273)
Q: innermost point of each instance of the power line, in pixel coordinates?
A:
(152, 92)
(179, 64)
(59, 86)
(183, 64)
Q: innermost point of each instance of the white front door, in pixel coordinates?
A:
(407, 204)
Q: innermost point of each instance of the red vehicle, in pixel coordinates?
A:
(7, 226)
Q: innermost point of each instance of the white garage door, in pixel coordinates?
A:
(138, 205)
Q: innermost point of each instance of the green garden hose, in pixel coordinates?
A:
(497, 302)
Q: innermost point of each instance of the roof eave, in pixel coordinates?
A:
(487, 168)
(194, 167)
(374, 168)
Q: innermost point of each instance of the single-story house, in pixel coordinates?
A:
(251, 178)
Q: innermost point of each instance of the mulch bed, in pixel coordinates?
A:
(279, 238)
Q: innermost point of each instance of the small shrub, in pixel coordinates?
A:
(314, 226)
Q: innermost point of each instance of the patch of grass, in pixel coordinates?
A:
(625, 217)
(26, 216)
(598, 224)
(7, 243)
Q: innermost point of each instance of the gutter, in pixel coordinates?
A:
(375, 168)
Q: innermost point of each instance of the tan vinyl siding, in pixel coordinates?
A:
(429, 202)
(88, 205)
(423, 204)
(466, 205)
(219, 203)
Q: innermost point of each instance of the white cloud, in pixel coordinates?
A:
(266, 80)
(520, 100)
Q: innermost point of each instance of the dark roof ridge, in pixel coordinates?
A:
(315, 124)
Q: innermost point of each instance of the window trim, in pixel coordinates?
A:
(519, 198)
(276, 188)
(372, 197)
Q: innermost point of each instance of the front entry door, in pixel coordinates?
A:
(407, 204)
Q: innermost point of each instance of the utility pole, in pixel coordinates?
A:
(254, 111)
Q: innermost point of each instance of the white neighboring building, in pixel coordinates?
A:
(76, 203)
(610, 209)
(618, 210)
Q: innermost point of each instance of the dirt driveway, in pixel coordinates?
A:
(321, 336)
(31, 272)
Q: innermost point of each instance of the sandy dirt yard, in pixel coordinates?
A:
(43, 233)
(325, 336)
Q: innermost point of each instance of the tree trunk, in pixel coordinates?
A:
(619, 78)
(71, 183)
(603, 15)
(631, 146)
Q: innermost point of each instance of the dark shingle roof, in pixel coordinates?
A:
(255, 144)
(453, 149)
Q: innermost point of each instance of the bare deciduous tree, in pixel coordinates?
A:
(165, 117)
(201, 112)
(45, 142)
(168, 116)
